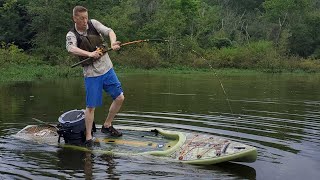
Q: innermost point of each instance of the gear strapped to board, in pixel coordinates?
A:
(72, 127)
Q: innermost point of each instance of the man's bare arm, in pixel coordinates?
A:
(115, 45)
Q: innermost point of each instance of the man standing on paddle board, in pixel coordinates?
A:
(82, 40)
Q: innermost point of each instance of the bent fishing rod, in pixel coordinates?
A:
(122, 44)
(165, 40)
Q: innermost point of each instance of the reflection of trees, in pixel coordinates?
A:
(237, 170)
(13, 99)
(111, 166)
(45, 100)
(88, 165)
(54, 97)
(174, 92)
(70, 159)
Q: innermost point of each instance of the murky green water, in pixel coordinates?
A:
(278, 114)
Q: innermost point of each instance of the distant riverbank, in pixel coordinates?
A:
(41, 72)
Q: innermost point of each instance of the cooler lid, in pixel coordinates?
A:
(72, 116)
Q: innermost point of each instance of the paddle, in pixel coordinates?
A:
(44, 123)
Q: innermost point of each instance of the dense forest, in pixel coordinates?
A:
(272, 35)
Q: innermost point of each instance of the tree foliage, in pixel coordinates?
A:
(40, 26)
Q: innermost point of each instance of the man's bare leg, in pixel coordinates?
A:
(113, 110)
(89, 117)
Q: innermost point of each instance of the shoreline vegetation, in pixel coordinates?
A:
(17, 65)
(17, 72)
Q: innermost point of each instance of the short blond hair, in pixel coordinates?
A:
(79, 9)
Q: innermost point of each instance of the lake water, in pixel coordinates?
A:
(278, 114)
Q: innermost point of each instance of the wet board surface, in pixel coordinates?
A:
(133, 141)
(192, 148)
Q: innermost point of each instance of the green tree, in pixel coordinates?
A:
(207, 25)
(125, 23)
(15, 23)
(239, 6)
(299, 19)
(284, 14)
(167, 22)
(51, 20)
(190, 10)
(305, 39)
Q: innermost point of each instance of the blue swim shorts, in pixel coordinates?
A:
(109, 82)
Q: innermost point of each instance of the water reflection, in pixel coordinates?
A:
(78, 161)
(110, 166)
(240, 171)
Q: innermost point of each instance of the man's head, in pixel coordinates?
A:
(80, 17)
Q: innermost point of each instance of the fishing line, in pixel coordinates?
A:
(215, 73)
(198, 54)
(221, 84)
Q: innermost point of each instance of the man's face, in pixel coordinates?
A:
(81, 20)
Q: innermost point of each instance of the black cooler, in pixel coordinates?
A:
(72, 127)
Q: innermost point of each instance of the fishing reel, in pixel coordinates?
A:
(102, 49)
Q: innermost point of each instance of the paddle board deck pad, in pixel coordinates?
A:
(191, 148)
